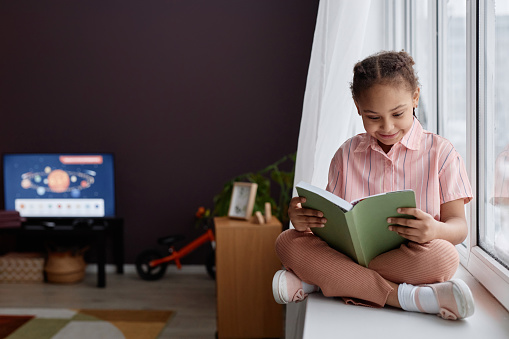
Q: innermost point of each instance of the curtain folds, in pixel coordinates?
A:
(329, 116)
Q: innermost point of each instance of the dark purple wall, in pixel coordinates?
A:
(186, 94)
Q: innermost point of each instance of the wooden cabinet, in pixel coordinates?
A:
(245, 265)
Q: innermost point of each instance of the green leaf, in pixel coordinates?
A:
(264, 178)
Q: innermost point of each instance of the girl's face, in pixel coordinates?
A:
(387, 112)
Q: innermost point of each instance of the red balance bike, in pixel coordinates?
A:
(151, 265)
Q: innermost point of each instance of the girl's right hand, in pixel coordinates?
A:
(304, 218)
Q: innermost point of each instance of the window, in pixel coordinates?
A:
(452, 73)
(489, 248)
(494, 230)
(460, 48)
(423, 49)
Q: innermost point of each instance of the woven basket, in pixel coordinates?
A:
(22, 267)
(65, 267)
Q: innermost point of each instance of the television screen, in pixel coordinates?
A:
(59, 185)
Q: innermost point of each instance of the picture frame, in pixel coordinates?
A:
(242, 200)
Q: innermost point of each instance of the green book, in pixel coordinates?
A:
(358, 229)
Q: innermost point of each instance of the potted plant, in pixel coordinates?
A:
(279, 198)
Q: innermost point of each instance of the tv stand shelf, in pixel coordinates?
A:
(67, 230)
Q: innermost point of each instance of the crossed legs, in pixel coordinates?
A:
(315, 263)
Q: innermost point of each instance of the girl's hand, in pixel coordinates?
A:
(422, 229)
(304, 218)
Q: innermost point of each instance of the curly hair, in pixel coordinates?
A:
(384, 68)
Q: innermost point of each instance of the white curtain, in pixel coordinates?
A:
(346, 32)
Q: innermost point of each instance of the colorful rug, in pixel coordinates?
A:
(49, 323)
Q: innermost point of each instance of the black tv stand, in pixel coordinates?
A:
(83, 222)
(100, 231)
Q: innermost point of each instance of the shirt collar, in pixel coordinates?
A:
(411, 140)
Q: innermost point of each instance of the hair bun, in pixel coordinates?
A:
(399, 65)
(406, 58)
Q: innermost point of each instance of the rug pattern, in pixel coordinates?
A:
(46, 323)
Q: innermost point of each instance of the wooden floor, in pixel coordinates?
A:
(190, 292)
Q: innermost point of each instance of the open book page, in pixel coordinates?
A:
(356, 201)
(370, 217)
(341, 203)
(360, 231)
(336, 231)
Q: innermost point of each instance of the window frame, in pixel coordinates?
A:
(490, 273)
(472, 115)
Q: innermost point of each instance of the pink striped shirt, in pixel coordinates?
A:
(422, 161)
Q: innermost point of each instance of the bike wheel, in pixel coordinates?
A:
(145, 271)
(210, 264)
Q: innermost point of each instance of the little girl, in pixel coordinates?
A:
(395, 153)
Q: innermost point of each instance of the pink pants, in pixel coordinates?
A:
(314, 262)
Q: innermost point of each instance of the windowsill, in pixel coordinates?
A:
(332, 318)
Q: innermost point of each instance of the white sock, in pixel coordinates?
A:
(407, 298)
(309, 288)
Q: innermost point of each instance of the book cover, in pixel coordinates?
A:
(359, 229)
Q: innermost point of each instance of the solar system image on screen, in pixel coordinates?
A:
(59, 185)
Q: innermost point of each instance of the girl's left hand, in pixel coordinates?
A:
(422, 229)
